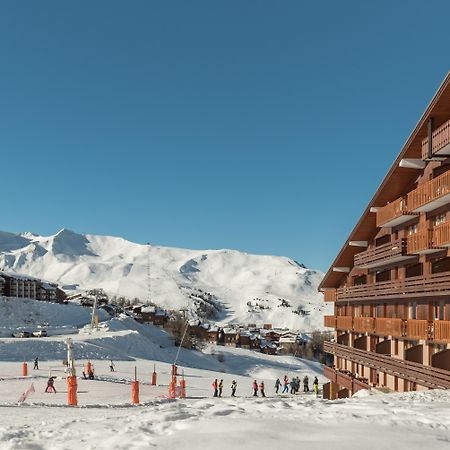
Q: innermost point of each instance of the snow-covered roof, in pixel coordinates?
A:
(148, 309)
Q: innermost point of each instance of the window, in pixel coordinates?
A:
(412, 229)
(441, 265)
(437, 220)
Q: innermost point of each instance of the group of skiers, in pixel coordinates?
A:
(292, 386)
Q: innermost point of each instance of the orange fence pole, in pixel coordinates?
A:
(24, 369)
(172, 386)
(154, 376)
(182, 387)
(135, 392)
(72, 390)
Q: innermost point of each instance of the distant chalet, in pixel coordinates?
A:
(21, 286)
(390, 283)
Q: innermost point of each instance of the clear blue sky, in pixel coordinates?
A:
(258, 125)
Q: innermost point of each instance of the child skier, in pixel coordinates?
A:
(316, 386)
(233, 388)
(286, 385)
(277, 385)
(261, 388)
(255, 389)
(50, 385)
(36, 364)
(220, 388)
(215, 386)
(305, 384)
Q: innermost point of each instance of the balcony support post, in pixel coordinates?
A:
(430, 137)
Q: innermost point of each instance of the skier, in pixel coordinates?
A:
(261, 388)
(305, 383)
(233, 388)
(220, 388)
(277, 385)
(255, 389)
(316, 386)
(215, 386)
(36, 364)
(50, 385)
(286, 385)
(111, 366)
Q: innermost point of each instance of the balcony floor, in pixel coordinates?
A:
(399, 220)
(386, 262)
(441, 201)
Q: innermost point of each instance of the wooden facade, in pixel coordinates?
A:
(390, 283)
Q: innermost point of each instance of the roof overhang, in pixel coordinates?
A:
(397, 180)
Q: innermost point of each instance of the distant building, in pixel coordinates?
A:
(13, 285)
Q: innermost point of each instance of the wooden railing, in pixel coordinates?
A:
(344, 322)
(438, 330)
(329, 295)
(429, 191)
(417, 329)
(364, 324)
(329, 321)
(424, 375)
(441, 235)
(388, 327)
(381, 253)
(441, 330)
(440, 138)
(420, 241)
(391, 211)
(434, 284)
(345, 380)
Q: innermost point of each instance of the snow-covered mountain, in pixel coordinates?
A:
(235, 286)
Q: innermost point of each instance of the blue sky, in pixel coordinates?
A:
(210, 124)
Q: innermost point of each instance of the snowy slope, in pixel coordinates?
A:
(248, 288)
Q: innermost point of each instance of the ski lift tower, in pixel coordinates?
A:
(94, 317)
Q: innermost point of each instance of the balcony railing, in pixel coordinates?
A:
(437, 330)
(364, 324)
(388, 327)
(417, 329)
(441, 235)
(441, 330)
(329, 295)
(329, 373)
(430, 195)
(394, 213)
(440, 140)
(424, 375)
(344, 322)
(422, 286)
(329, 321)
(422, 243)
(381, 255)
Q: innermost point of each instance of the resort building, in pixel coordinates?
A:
(390, 283)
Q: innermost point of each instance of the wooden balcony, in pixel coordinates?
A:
(390, 253)
(364, 324)
(421, 243)
(417, 329)
(329, 321)
(428, 376)
(441, 330)
(423, 286)
(388, 327)
(344, 322)
(394, 213)
(344, 380)
(430, 195)
(441, 235)
(329, 295)
(440, 141)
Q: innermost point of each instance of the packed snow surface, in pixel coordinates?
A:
(238, 287)
(105, 418)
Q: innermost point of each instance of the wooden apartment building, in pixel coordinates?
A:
(390, 283)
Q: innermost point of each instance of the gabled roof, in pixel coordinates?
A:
(394, 184)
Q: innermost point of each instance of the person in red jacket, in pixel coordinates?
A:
(255, 389)
(261, 388)
(215, 386)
